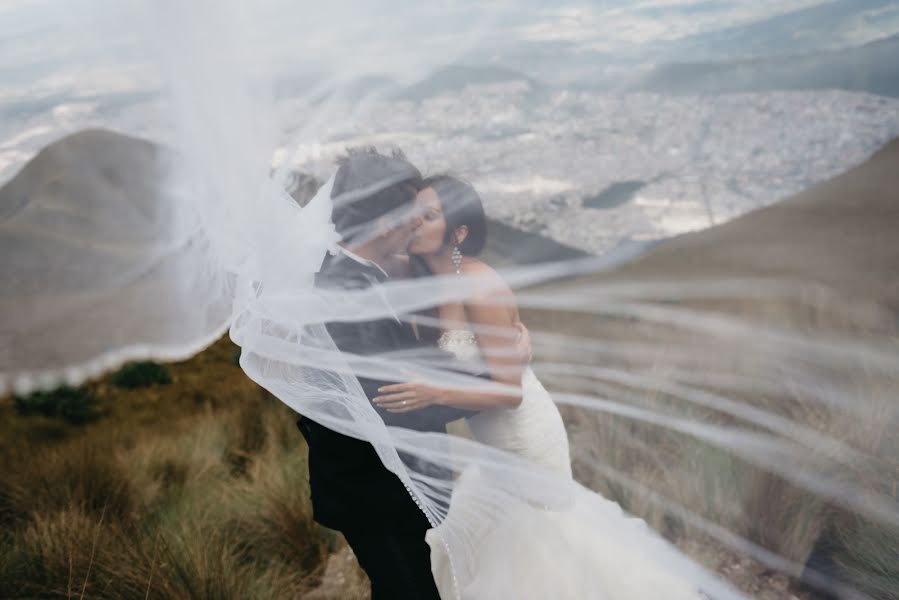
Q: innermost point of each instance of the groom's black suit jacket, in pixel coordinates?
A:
(351, 489)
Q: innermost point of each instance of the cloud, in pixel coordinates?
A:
(615, 28)
(870, 25)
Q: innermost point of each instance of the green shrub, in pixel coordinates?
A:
(141, 374)
(75, 405)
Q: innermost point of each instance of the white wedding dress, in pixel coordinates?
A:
(523, 550)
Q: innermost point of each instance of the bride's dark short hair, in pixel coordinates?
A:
(461, 205)
(369, 185)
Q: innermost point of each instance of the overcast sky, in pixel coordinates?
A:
(42, 42)
(63, 59)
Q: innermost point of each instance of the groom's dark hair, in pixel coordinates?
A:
(369, 185)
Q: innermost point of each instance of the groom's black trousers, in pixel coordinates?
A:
(397, 563)
(354, 493)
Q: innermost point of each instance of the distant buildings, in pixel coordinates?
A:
(536, 153)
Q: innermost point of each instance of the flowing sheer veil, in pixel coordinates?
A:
(217, 245)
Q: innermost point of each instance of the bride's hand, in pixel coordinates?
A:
(406, 397)
(523, 343)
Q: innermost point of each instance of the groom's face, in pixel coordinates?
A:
(399, 228)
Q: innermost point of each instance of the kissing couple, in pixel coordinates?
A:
(397, 229)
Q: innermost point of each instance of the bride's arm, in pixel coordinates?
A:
(492, 318)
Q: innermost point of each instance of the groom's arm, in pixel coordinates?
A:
(371, 338)
(424, 419)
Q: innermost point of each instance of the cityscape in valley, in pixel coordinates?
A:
(588, 125)
(591, 169)
(595, 170)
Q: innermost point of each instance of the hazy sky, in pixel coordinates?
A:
(43, 41)
(58, 57)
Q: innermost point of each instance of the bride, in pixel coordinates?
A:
(520, 416)
(507, 558)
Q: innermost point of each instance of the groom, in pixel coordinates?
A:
(352, 492)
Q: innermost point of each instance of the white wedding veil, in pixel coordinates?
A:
(719, 384)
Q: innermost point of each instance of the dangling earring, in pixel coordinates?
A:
(457, 259)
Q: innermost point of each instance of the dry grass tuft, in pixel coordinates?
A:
(193, 490)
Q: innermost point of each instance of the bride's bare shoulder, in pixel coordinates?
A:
(495, 304)
(475, 266)
(478, 268)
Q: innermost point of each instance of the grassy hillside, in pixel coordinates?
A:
(782, 322)
(193, 489)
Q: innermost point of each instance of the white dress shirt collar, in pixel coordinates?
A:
(363, 261)
(378, 289)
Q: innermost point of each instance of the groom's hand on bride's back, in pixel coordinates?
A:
(523, 345)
